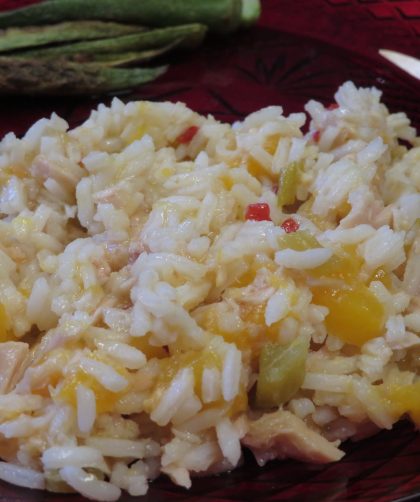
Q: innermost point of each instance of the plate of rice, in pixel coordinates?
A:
(222, 297)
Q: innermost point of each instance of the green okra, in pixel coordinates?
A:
(251, 10)
(39, 77)
(35, 36)
(191, 35)
(218, 15)
(131, 58)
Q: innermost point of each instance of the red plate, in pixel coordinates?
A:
(301, 49)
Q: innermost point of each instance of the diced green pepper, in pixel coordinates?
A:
(288, 183)
(282, 371)
(298, 241)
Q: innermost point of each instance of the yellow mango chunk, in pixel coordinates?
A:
(382, 276)
(6, 333)
(198, 360)
(405, 399)
(246, 278)
(271, 142)
(12, 170)
(233, 161)
(252, 337)
(209, 322)
(239, 404)
(355, 315)
(105, 399)
(258, 171)
(250, 273)
(227, 181)
(343, 210)
(305, 210)
(345, 266)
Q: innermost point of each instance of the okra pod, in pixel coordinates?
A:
(39, 77)
(131, 58)
(191, 35)
(36, 36)
(218, 15)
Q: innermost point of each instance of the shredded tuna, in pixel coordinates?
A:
(366, 209)
(282, 434)
(12, 359)
(412, 270)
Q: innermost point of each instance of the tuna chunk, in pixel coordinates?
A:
(12, 360)
(366, 209)
(411, 281)
(283, 435)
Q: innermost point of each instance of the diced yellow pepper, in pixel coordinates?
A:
(355, 314)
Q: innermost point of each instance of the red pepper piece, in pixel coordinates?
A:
(290, 225)
(316, 135)
(258, 212)
(332, 106)
(186, 136)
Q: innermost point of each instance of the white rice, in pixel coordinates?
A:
(140, 295)
(173, 398)
(301, 260)
(104, 374)
(228, 441)
(231, 373)
(57, 457)
(21, 476)
(86, 408)
(211, 385)
(87, 485)
(110, 447)
(130, 357)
